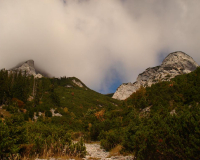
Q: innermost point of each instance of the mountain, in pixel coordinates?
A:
(174, 64)
(40, 94)
(41, 116)
(28, 68)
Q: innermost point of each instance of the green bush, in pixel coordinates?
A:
(48, 113)
(11, 109)
(110, 139)
(12, 136)
(164, 136)
(76, 149)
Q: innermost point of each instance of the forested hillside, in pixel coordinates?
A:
(157, 122)
(27, 103)
(161, 121)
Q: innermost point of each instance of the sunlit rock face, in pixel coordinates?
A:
(174, 64)
(77, 83)
(28, 68)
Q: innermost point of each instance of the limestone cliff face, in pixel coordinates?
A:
(28, 68)
(174, 64)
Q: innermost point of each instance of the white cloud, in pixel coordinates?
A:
(90, 39)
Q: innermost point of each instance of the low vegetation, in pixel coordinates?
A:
(170, 129)
(28, 127)
(157, 122)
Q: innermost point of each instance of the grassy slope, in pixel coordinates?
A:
(109, 95)
(79, 99)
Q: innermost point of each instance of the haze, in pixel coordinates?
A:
(102, 42)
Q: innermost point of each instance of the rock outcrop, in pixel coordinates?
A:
(28, 69)
(174, 64)
(55, 114)
(77, 83)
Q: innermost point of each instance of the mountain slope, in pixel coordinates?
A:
(47, 113)
(141, 125)
(174, 64)
(161, 121)
(67, 96)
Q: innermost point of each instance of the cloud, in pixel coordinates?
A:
(98, 41)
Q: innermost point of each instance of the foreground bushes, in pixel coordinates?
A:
(110, 139)
(151, 135)
(12, 136)
(27, 139)
(163, 136)
(158, 135)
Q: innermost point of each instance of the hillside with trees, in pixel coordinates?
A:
(161, 121)
(157, 122)
(27, 118)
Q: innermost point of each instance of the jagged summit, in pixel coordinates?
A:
(174, 64)
(179, 60)
(28, 68)
(30, 63)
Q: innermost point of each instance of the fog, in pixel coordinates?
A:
(101, 42)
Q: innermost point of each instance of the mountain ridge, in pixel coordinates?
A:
(41, 116)
(176, 63)
(27, 68)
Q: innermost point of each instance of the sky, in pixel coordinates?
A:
(104, 43)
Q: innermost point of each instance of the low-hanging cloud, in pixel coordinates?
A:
(98, 41)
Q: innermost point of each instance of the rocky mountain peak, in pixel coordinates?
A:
(30, 63)
(179, 60)
(174, 64)
(28, 68)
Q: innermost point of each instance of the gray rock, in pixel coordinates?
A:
(147, 109)
(173, 112)
(55, 114)
(28, 69)
(68, 86)
(77, 83)
(125, 90)
(174, 64)
(35, 117)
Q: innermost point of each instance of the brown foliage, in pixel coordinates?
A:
(171, 85)
(18, 102)
(99, 115)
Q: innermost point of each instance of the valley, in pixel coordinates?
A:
(43, 117)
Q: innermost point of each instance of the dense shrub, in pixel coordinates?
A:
(12, 136)
(48, 113)
(76, 149)
(110, 139)
(20, 139)
(165, 136)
